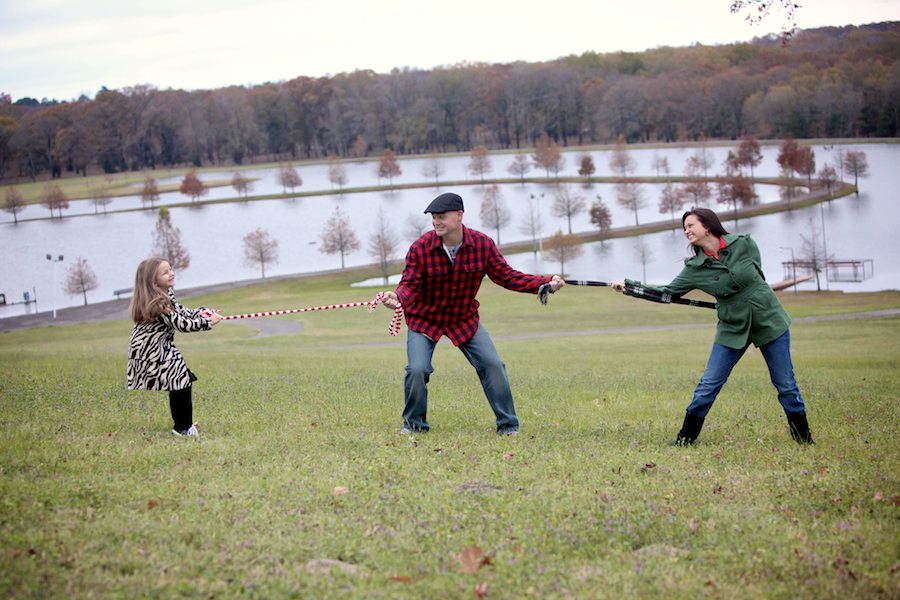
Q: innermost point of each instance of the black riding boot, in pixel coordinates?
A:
(799, 427)
(689, 430)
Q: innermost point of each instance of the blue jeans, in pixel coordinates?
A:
(481, 354)
(722, 360)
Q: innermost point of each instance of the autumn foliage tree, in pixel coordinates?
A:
(337, 173)
(601, 218)
(192, 186)
(479, 162)
(388, 166)
(338, 237)
(548, 155)
(55, 199)
(260, 249)
(586, 166)
(561, 247)
(14, 203)
(149, 191)
(289, 177)
(80, 279)
(167, 242)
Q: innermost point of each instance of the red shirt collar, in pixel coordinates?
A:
(721, 245)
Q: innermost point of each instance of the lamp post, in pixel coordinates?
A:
(793, 267)
(54, 260)
(537, 199)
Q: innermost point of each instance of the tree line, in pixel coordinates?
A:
(828, 82)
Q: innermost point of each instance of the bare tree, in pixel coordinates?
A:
(630, 195)
(289, 177)
(735, 190)
(520, 166)
(701, 161)
(620, 161)
(567, 204)
(661, 164)
(388, 166)
(812, 251)
(857, 164)
(150, 191)
(55, 198)
(433, 168)
(494, 213)
(338, 237)
(383, 244)
(337, 173)
(80, 279)
(561, 247)
(192, 186)
(670, 200)
(14, 203)
(696, 188)
(530, 224)
(260, 249)
(99, 197)
(167, 242)
(479, 162)
(416, 226)
(241, 184)
(749, 154)
(644, 254)
(756, 10)
(828, 179)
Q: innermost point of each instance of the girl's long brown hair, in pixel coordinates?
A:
(149, 300)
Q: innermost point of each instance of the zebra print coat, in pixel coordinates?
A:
(154, 363)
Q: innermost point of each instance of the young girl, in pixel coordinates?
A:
(154, 363)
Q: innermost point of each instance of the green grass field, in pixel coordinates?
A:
(301, 461)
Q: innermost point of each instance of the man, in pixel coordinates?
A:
(444, 269)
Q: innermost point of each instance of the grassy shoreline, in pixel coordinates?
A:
(301, 462)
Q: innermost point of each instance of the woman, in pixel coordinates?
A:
(728, 267)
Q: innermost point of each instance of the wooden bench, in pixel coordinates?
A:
(118, 293)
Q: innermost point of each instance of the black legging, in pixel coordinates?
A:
(180, 405)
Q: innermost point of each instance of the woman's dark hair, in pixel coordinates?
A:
(708, 219)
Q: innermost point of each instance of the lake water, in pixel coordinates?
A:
(855, 227)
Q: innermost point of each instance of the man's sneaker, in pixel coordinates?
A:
(509, 431)
(190, 432)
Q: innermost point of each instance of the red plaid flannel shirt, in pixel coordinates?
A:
(438, 296)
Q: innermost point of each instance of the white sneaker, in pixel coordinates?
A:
(190, 432)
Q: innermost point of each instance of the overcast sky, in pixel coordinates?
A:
(62, 48)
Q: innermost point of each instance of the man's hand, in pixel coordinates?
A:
(390, 300)
(556, 282)
(619, 286)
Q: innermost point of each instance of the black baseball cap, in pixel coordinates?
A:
(446, 202)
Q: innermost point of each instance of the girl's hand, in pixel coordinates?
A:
(214, 318)
(619, 286)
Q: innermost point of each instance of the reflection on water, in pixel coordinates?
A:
(856, 227)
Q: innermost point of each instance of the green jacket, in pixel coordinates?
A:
(748, 309)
